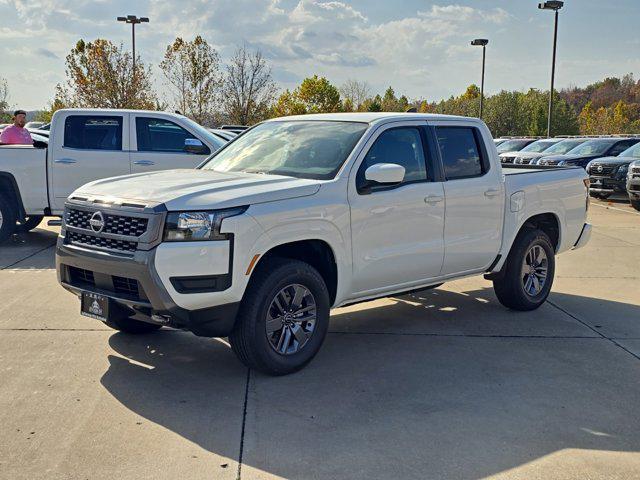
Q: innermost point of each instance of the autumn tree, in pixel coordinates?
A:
(4, 101)
(192, 69)
(100, 75)
(248, 89)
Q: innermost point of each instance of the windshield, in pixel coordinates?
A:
(592, 147)
(512, 145)
(302, 149)
(564, 146)
(632, 151)
(539, 146)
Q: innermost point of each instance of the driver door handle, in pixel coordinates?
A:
(492, 192)
(433, 199)
(144, 162)
(66, 161)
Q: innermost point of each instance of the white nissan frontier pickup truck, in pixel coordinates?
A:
(303, 214)
(90, 144)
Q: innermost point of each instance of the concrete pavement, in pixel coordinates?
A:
(439, 384)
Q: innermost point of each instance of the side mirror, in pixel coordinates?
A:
(193, 145)
(384, 173)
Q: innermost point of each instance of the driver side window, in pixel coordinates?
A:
(401, 146)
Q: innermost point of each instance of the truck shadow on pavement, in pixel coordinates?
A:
(410, 387)
(33, 250)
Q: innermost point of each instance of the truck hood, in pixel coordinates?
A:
(614, 160)
(199, 189)
(555, 159)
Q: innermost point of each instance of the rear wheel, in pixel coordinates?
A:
(29, 223)
(529, 272)
(7, 218)
(127, 325)
(635, 204)
(283, 319)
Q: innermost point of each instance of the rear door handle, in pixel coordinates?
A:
(492, 192)
(433, 199)
(144, 162)
(65, 161)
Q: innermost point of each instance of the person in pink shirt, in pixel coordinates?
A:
(16, 134)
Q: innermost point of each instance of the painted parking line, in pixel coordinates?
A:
(614, 208)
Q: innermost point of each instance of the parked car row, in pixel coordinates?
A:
(607, 160)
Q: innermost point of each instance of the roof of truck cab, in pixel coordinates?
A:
(112, 111)
(370, 117)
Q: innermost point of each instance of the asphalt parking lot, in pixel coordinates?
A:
(440, 384)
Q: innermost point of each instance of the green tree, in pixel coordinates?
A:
(314, 95)
(100, 75)
(4, 101)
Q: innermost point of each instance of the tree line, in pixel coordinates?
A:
(100, 74)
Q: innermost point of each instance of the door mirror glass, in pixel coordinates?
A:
(193, 145)
(385, 173)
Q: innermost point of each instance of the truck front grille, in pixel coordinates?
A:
(601, 170)
(100, 242)
(126, 286)
(115, 224)
(99, 282)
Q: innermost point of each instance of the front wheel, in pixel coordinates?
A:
(529, 272)
(635, 204)
(283, 319)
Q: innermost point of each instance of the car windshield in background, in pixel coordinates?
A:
(592, 147)
(632, 151)
(302, 149)
(564, 146)
(512, 145)
(539, 146)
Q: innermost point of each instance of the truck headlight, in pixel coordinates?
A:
(622, 170)
(562, 164)
(198, 226)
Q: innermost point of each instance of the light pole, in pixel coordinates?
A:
(133, 20)
(554, 5)
(481, 42)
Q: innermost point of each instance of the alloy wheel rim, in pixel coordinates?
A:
(534, 270)
(291, 319)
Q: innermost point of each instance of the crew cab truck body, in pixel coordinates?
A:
(302, 214)
(89, 144)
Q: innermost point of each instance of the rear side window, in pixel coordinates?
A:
(157, 135)
(460, 151)
(622, 146)
(402, 146)
(91, 132)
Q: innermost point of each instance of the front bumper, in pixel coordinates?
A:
(607, 185)
(149, 301)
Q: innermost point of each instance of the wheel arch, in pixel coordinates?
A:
(316, 252)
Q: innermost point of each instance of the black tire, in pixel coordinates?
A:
(635, 204)
(249, 339)
(30, 223)
(7, 218)
(135, 327)
(511, 287)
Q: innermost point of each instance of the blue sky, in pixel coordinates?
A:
(419, 47)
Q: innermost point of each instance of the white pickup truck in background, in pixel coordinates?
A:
(89, 144)
(302, 214)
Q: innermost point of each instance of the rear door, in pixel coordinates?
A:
(474, 195)
(88, 147)
(160, 144)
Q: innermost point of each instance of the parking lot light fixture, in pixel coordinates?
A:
(133, 20)
(483, 43)
(555, 6)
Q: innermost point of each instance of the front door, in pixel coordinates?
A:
(89, 147)
(162, 145)
(397, 230)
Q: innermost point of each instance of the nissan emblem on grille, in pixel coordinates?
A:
(599, 169)
(97, 222)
